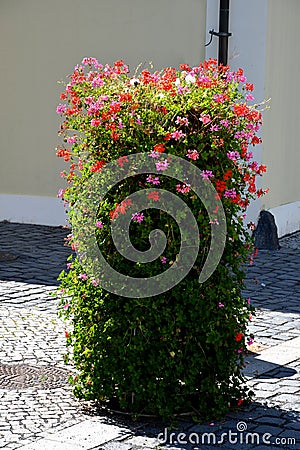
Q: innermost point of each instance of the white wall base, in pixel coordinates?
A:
(32, 209)
(287, 218)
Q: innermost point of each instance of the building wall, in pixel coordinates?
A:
(264, 43)
(282, 120)
(40, 42)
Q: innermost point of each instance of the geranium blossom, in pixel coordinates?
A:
(182, 121)
(178, 134)
(153, 180)
(162, 165)
(205, 118)
(192, 154)
(153, 196)
(233, 155)
(61, 109)
(82, 276)
(230, 193)
(138, 217)
(183, 189)
(206, 174)
(154, 154)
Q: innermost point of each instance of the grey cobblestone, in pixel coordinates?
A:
(31, 333)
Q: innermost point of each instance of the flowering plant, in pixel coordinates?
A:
(184, 348)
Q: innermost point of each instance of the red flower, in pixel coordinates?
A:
(228, 175)
(153, 196)
(66, 334)
(256, 140)
(167, 137)
(97, 166)
(249, 87)
(125, 97)
(122, 160)
(262, 169)
(120, 208)
(241, 109)
(119, 63)
(62, 153)
(220, 186)
(239, 337)
(240, 402)
(163, 109)
(185, 67)
(160, 148)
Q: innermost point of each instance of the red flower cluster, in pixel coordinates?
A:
(97, 166)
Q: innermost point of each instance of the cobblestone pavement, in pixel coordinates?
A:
(36, 402)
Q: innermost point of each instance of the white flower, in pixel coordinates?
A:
(177, 82)
(134, 81)
(190, 78)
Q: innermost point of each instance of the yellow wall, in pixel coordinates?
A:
(281, 150)
(42, 40)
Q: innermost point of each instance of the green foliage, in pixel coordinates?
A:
(181, 350)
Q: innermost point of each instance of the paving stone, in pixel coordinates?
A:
(264, 429)
(267, 420)
(30, 329)
(291, 434)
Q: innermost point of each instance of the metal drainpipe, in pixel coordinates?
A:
(223, 32)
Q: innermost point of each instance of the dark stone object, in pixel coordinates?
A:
(265, 235)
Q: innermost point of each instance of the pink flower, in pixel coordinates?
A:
(97, 82)
(205, 118)
(225, 123)
(182, 121)
(71, 139)
(69, 265)
(249, 301)
(138, 217)
(192, 154)
(221, 305)
(214, 128)
(249, 97)
(184, 189)
(61, 109)
(230, 193)
(91, 62)
(250, 341)
(154, 154)
(153, 180)
(233, 155)
(163, 260)
(67, 305)
(95, 282)
(82, 276)
(177, 135)
(219, 98)
(99, 224)
(214, 222)
(162, 165)
(206, 174)
(60, 193)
